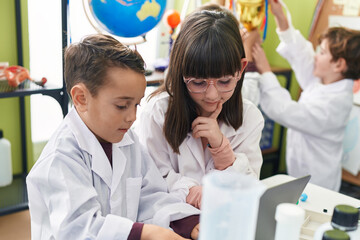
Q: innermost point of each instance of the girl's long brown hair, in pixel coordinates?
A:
(209, 45)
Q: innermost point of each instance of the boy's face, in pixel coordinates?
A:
(324, 67)
(112, 111)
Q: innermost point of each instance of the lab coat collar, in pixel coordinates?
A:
(90, 144)
(339, 86)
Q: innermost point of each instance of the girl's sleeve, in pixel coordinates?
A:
(246, 144)
(300, 53)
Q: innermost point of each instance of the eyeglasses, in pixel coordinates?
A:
(199, 85)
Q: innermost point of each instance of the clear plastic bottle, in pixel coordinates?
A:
(5, 161)
(289, 219)
(345, 218)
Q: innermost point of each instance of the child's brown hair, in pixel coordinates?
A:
(88, 61)
(344, 43)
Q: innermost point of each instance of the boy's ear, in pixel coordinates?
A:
(340, 65)
(79, 94)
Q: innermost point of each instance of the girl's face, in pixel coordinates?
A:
(110, 114)
(215, 91)
(208, 100)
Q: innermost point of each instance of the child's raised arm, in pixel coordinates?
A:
(280, 17)
(261, 62)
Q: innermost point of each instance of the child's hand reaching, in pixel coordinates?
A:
(249, 39)
(208, 127)
(261, 61)
(280, 18)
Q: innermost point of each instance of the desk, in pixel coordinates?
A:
(319, 198)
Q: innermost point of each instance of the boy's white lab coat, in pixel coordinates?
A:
(316, 123)
(185, 170)
(75, 194)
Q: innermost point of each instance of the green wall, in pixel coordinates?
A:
(9, 107)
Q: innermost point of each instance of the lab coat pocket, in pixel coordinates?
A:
(133, 189)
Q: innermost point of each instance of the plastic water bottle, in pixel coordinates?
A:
(344, 218)
(289, 219)
(5, 161)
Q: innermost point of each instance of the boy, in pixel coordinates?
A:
(93, 180)
(317, 121)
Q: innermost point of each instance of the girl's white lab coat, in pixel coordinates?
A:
(75, 194)
(316, 122)
(185, 170)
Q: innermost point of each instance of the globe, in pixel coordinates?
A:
(127, 18)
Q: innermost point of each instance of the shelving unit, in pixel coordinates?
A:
(14, 197)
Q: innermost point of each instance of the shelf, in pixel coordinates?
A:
(14, 197)
(28, 88)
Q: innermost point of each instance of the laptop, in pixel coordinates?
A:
(288, 192)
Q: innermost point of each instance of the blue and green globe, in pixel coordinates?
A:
(127, 18)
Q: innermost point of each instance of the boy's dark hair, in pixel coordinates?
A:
(87, 62)
(209, 45)
(344, 43)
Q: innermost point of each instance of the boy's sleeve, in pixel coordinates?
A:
(300, 53)
(157, 205)
(310, 117)
(184, 226)
(135, 233)
(150, 132)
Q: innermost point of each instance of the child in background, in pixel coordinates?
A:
(197, 122)
(316, 123)
(93, 179)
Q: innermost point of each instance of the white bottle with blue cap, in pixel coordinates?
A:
(5, 161)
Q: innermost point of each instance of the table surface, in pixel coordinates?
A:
(319, 198)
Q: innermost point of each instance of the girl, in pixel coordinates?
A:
(197, 121)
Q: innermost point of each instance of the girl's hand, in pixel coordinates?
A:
(153, 232)
(261, 62)
(208, 127)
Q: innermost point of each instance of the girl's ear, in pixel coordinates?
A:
(244, 63)
(80, 94)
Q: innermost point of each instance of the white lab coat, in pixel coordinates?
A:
(185, 170)
(75, 194)
(250, 88)
(316, 122)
